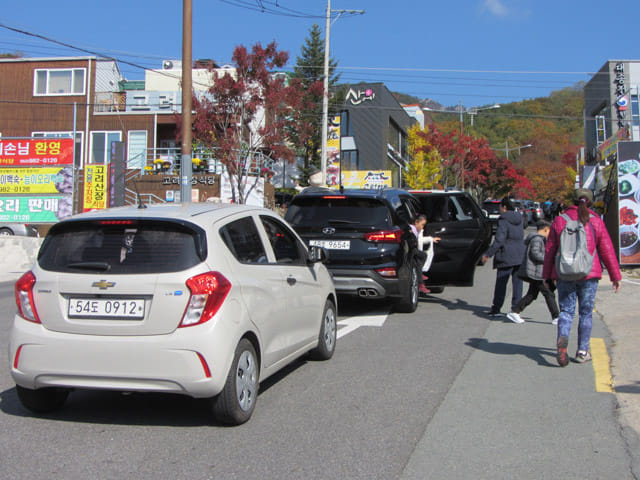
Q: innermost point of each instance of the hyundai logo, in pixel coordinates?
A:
(328, 230)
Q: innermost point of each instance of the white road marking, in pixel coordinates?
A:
(630, 281)
(352, 323)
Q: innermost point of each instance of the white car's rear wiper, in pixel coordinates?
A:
(99, 266)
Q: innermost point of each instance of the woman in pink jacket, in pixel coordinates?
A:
(583, 290)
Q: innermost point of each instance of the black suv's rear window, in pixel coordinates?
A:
(338, 211)
(145, 246)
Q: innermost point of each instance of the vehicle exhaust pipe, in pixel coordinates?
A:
(367, 292)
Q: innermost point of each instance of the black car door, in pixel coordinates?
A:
(464, 233)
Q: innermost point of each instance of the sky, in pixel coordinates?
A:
(474, 52)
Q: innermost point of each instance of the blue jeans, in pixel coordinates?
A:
(500, 290)
(584, 291)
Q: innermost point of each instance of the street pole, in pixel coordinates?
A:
(325, 98)
(185, 157)
(461, 119)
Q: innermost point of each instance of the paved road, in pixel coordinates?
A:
(445, 393)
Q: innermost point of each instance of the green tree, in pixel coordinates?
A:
(309, 70)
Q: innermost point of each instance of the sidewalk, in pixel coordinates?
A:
(620, 313)
(513, 413)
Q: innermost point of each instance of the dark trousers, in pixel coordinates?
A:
(535, 287)
(419, 257)
(500, 290)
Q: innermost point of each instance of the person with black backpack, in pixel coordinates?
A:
(576, 246)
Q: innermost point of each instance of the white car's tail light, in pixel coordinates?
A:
(24, 297)
(208, 291)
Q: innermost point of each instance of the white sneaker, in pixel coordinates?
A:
(515, 317)
(554, 321)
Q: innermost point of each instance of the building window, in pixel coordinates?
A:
(78, 148)
(137, 151)
(59, 81)
(100, 148)
(601, 129)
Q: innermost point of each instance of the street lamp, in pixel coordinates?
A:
(474, 110)
(507, 148)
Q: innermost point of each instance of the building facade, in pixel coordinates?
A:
(611, 109)
(378, 126)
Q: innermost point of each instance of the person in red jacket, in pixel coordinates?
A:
(583, 291)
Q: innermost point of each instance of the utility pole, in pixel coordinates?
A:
(325, 90)
(325, 98)
(185, 157)
(461, 118)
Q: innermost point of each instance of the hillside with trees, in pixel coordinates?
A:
(535, 144)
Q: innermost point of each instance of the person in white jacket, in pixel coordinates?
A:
(423, 258)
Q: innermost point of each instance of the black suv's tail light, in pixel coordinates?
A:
(24, 297)
(387, 272)
(384, 236)
(208, 292)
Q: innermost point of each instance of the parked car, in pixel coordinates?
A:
(465, 232)
(368, 236)
(520, 207)
(21, 229)
(492, 207)
(538, 214)
(201, 299)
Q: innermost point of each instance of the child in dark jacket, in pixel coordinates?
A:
(531, 271)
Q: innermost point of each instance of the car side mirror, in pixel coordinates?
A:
(317, 254)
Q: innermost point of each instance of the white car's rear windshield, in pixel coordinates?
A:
(122, 247)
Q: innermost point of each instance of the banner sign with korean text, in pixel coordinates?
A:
(36, 180)
(95, 186)
(36, 152)
(629, 202)
(46, 209)
(366, 179)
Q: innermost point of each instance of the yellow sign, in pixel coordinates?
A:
(366, 179)
(95, 187)
(36, 180)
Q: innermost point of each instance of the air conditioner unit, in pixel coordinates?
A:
(171, 65)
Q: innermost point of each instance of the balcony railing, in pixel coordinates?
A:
(167, 161)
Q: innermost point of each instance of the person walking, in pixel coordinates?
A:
(583, 291)
(508, 249)
(531, 271)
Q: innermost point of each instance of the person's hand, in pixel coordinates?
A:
(436, 239)
(485, 259)
(616, 286)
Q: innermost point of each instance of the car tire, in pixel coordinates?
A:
(5, 231)
(328, 334)
(409, 302)
(42, 400)
(235, 404)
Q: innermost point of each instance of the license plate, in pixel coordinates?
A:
(106, 308)
(331, 244)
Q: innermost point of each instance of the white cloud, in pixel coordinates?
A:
(495, 7)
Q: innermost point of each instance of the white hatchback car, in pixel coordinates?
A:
(203, 300)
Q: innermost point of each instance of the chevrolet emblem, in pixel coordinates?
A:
(103, 284)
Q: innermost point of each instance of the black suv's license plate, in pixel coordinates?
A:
(331, 244)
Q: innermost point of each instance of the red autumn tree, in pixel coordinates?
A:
(247, 114)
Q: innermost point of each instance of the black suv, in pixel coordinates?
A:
(465, 234)
(368, 238)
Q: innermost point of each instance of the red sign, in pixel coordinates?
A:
(36, 152)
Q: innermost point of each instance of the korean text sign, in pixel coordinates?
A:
(95, 186)
(36, 180)
(36, 152)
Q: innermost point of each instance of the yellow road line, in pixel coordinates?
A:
(601, 364)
